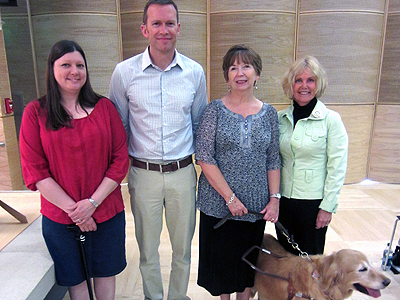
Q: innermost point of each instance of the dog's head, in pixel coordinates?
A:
(346, 270)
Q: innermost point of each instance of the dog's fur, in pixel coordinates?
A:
(331, 277)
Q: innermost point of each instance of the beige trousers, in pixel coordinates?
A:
(154, 194)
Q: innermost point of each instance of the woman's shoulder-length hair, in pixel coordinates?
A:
(297, 68)
(57, 116)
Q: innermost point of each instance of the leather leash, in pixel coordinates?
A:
(224, 219)
(278, 224)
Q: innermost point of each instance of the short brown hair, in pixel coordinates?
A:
(159, 2)
(244, 54)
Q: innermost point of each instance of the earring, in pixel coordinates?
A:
(255, 85)
(229, 88)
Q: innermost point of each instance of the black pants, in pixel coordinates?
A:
(299, 217)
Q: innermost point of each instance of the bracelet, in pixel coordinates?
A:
(95, 204)
(231, 200)
(275, 195)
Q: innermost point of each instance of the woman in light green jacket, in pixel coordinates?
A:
(313, 147)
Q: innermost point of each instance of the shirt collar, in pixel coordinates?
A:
(146, 62)
(319, 111)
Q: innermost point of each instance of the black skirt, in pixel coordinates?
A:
(221, 269)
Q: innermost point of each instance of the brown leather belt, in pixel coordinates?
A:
(171, 167)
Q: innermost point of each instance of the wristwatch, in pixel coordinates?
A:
(275, 195)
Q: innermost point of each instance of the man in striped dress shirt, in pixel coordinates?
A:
(161, 95)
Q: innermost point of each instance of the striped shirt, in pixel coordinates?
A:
(160, 109)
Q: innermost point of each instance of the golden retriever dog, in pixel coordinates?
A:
(331, 277)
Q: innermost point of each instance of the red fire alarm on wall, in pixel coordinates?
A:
(9, 105)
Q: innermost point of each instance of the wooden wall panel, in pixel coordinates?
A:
(342, 5)
(19, 56)
(10, 166)
(12, 147)
(273, 41)
(97, 35)
(390, 80)
(4, 82)
(21, 9)
(394, 6)
(358, 120)
(385, 150)
(57, 6)
(351, 57)
(5, 178)
(133, 41)
(188, 6)
(253, 5)
(192, 41)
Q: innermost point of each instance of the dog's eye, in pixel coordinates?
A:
(363, 269)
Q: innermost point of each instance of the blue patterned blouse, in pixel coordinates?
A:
(244, 149)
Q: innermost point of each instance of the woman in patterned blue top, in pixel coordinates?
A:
(237, 148)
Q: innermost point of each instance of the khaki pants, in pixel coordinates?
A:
(151, 193)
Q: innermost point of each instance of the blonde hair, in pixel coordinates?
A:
(297, 68)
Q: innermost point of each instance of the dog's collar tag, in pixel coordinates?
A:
(315, 275)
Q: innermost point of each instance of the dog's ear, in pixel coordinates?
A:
(332, 277)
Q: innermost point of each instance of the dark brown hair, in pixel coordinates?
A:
(243, 54)
(57, 116)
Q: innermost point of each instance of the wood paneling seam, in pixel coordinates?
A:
(208, 47)
(323, 12)
(34, 62)
(278, 12)
(119, 29)
(296, 31)
(75, 13)
(378, 89)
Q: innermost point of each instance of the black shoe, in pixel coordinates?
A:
(396, 257)
(395, 270)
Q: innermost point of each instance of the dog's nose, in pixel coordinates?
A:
(386, 282)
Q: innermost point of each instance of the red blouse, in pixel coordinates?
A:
(77, 158)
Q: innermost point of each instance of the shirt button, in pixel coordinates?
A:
(296, 137)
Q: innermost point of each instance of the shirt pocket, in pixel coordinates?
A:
(282, 129)
(315, 138)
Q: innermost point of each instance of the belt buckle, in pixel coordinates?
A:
(170, 167)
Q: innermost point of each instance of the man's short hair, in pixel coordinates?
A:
(159, 2)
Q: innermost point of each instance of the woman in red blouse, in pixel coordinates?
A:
(74, 151)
